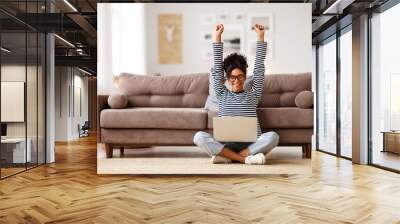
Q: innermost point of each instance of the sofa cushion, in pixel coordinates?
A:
(304, 99)
(285, 117)
(117, 101)
(282, 117)
(153, 117)
(160, 137)
(151, 137)
(280, 90)
(293, 136)
(189, 90)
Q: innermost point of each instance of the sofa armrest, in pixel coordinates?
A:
(101, 105)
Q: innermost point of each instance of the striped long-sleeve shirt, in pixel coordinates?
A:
(242, 103)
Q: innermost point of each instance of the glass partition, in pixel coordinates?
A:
(22, 78)
(385, 89)
(327, 96)
(13, 94)
(31, 99)
(41, 96)
(346, 94)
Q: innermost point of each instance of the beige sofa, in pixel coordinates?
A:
(169, 110)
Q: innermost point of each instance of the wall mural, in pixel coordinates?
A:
(170, 39)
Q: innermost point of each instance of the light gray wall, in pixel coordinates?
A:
(291, 38)
(291, 35)
(80, 82)
(62, 81)
(67, 79)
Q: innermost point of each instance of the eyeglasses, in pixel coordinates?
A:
(239, 77)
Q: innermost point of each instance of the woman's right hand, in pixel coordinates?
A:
(219, 29)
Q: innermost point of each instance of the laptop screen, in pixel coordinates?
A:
(3, 129)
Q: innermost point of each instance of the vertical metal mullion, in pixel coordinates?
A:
(317, 97)
(369, 90)
(45, 95)
(69, 92)
(0, 97)
(45, 87)
(338, 73)
(26, 86)
(73, 92)
(37, 90)
(60, 88)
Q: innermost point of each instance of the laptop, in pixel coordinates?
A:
(235, 129)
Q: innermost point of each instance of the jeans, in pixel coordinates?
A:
(264, 144)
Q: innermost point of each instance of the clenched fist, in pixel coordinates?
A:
(260, 30)
(219, 29)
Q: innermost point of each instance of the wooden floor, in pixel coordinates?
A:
(386, 159)
(10, 171)
(70, 191)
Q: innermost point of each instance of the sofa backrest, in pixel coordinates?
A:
(165, 91)
(280, 90)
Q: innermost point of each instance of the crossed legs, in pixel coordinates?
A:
(264, 144)
(228, 153)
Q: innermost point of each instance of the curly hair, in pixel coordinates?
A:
(233, 61)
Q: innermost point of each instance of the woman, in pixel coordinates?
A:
(238, 102)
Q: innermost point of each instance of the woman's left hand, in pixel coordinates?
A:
(260, 30)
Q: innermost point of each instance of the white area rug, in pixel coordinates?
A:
(191, 160)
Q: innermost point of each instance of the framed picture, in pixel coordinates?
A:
(206, 36)
(207, 19)
(252, 47)
(223, 18)
(233, 39)
(170, 38)
(265, 19)
(237, 17)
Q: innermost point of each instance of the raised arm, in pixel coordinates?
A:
(217, 71)
(259, 67)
